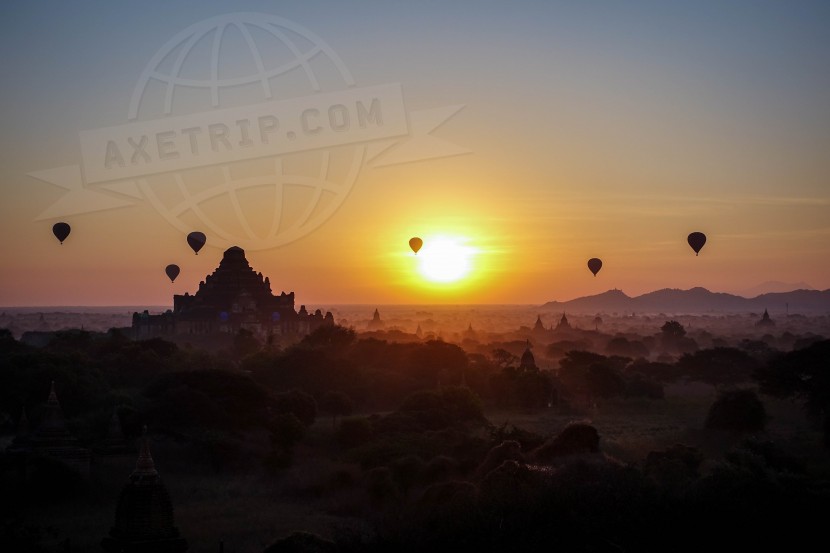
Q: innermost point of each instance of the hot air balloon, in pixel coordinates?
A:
(696, 241)
(415, 243)
(61, 231)
(196, 240)
(595, 265)
(172, 272)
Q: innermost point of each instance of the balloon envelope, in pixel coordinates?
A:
(172, 272)
(196, 240)
(595, 265)
(696, 241)
(61, 231)
(415, 243)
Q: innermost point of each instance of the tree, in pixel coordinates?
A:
(737, 411)
(207, 399)
(575, 439)
(673, 330)
(673, 337)
(332, 336)
(336, 404)
(299, 404)
(462, 403)
(354, 432)
(301, 541)
(286, 431)
(638, 386)
(437, 409)
(574, 370)
(503, 358)
(718, 366)
(660, 372)
(407, 471)
(532, 388)
(430, 361)
(622, 346)
(802, 374)
(604, 381)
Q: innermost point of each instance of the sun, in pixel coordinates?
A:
(445, 259)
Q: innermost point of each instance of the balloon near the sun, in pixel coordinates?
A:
(445, 260)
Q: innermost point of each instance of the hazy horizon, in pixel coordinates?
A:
(417, 305)
(774, 290)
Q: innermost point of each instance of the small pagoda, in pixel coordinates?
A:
(528, 361)
(144, 515)
(52, 438)
(563, 324)
(375, 323)
(766, 320)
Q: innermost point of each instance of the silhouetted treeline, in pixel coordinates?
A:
(157, 382)
(755, 497)
(419, 459)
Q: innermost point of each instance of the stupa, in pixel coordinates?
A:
(144, 515)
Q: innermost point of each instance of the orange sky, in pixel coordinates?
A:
(588, 133)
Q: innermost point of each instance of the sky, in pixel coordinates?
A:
(524, 138)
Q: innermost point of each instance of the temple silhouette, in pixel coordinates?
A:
(51, 438)
(233, 298)
(528, 361)
(563, 325)
(765, 320)
(144, 514)
(375, 323)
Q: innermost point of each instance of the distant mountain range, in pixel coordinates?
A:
(771, 286)
(697, 300)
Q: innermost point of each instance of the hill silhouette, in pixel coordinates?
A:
(771, 286)
(696, 300)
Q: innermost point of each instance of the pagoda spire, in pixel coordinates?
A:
(144, 513)
(53, 396)
(145, 465)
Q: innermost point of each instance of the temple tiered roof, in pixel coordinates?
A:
(233, 277)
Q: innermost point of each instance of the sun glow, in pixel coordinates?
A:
(445, 259)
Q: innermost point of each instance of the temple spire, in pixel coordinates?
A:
(53, 396)
(145, 465)
(144, 514)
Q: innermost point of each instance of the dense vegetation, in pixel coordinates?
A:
(419, 458)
